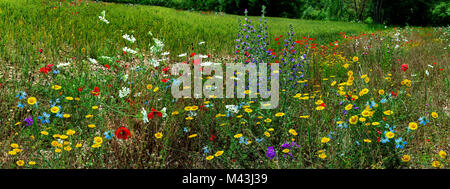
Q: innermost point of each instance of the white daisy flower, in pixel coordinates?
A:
(128, 50)
(93, 61)
(144, 115)
(63, 64)
(129, 38)
(124, 92)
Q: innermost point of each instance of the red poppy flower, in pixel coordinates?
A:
(130, 101)
(49, 67)
(96, 91)
(153, 112)
(164, 80)
(166, 69)
(81, 89)
(192, 54)
(393, 94)
(46, 69)
(404, 67)
(212, 138)
(107, 66)
(40, 50)
(123, 133)
(43, 70)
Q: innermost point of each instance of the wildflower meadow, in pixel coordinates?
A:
(87, 85)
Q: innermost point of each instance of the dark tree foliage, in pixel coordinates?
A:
(399, 12)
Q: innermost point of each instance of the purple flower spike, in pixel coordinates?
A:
(270, 152)
(29, 120)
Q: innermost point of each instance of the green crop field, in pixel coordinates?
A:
(87, 84)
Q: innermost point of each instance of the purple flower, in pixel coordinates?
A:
(270, 152)
(29, 120)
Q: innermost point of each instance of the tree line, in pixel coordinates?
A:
(397, 12)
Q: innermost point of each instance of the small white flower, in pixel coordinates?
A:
(93, 61)
(164, 112)
(201, 43)
(129, 38)
(102, 17)
(63, 64)
(154, 63)
(128, 50)
(426, 72)
(181, 55)
(106, 57)
(144, 115)
(165, 53)
(232, 108)
(430, 66)
(124, 92)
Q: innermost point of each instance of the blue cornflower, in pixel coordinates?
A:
(400, 143)
(423, 120)
(205, 149)
(259, 140)
(108, 135)
(59, 114)
(19, 105)
(371, 104)
(342, 125)
(243, 140)
(53, 103)
(44, 118)
(21, 95)
(330, 135)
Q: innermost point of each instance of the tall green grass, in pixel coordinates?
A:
(34, 24)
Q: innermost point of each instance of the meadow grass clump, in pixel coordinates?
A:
(87, 85)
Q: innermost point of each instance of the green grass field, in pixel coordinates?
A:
(353, 106)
